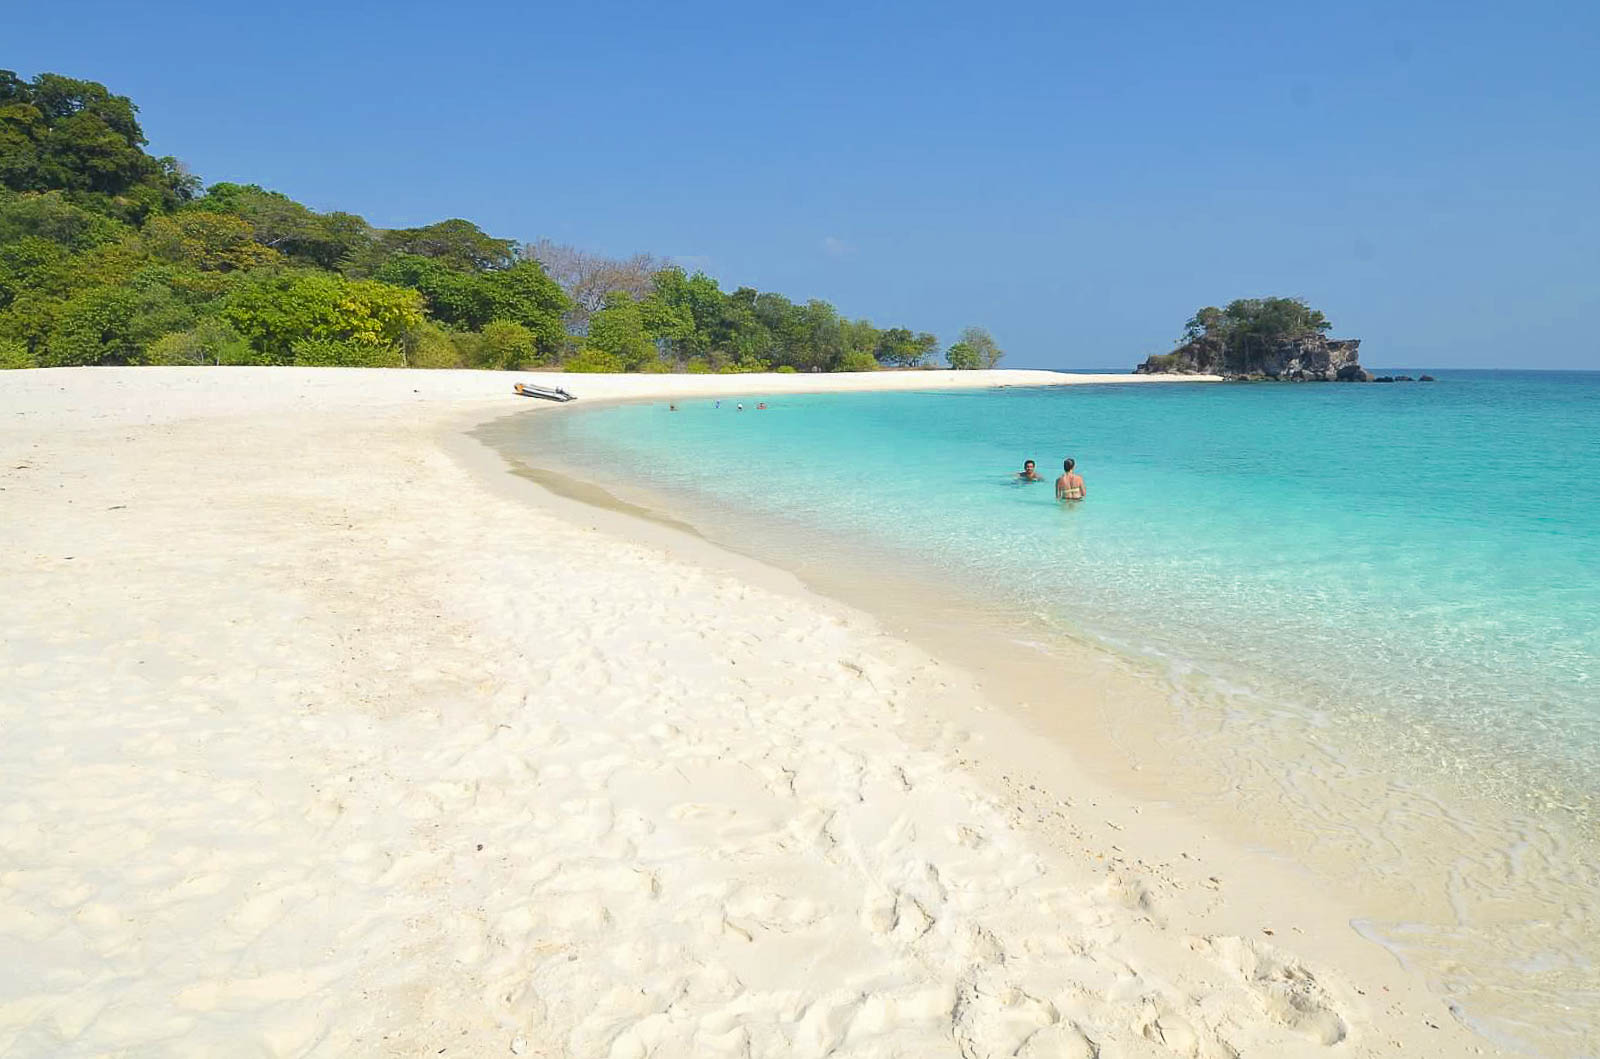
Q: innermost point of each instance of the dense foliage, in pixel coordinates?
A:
(1267, 319)
(1232, 340)
(111, 256)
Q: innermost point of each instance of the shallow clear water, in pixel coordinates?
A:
(1428, 550)
(1410, 573)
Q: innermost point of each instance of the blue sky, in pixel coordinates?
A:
(1076, 178)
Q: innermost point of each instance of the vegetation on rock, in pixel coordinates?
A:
(1275, 338)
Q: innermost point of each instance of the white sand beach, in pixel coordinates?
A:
(322, 734)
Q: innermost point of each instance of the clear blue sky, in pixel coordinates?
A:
(1078, 178)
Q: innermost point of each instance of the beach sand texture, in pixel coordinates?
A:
(319, 741)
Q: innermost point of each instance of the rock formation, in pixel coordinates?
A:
(1303, 358)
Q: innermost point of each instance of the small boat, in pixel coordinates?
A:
(548, 393)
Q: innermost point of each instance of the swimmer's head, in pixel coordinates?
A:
(1027, 465)
(1068, 464)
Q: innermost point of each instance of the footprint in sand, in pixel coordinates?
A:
(826, 1022)
(1287, 991)
(1159, 1023)
(1060, 1041)
(989, 1022)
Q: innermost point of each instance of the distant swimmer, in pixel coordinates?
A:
(672, 408)
(1029, 472)
(761, 406)
(1070, 486)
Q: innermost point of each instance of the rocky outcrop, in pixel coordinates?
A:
(1306, 358)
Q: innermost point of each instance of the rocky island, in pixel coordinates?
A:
(1261, 338)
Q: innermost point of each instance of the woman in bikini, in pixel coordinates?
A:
(1070, 486)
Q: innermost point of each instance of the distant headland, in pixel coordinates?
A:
(1261, 338)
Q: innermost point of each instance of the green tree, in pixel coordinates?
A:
(27, 264)
(1206, 321)
(823, 337)
(38, 279)
(520, 293)
(1231, 339)
(346, 353)
(746, 366)
(982, 347)
(294, 230)
(209, 242)
(461, 299)
(665, 324)
(276, 309)
(592, 360)
(507, 345)
(103, 266)
(523, 293)
(430, 346)
(1261, 318)
(738, 334)
(112, 325)
(14, 354)
(62, 134)
(857, 360)
(785, 325)
(29, 319)
(700, 297)
(209, 342)
(900, 348)
(962, 357)
(50, 216)
(458, 243)
(618, 329)
(1275, 317)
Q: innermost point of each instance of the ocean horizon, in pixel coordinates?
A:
(1390, 588)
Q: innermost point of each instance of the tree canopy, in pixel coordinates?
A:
(1264, 318)
(62, 134)
(109, 255)
(1237, 338)
(976, 348)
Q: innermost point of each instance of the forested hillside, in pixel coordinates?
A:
(109, 255)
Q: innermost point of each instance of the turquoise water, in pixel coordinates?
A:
(1405, 578)
(1428, 551)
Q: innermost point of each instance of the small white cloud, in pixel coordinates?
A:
(833, 246)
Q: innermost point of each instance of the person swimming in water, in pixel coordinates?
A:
(1070, 485)
(1029, 473)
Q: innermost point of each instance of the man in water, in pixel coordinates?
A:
(1028, 473)
(1070, 485)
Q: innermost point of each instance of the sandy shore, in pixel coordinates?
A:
(323, 735)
